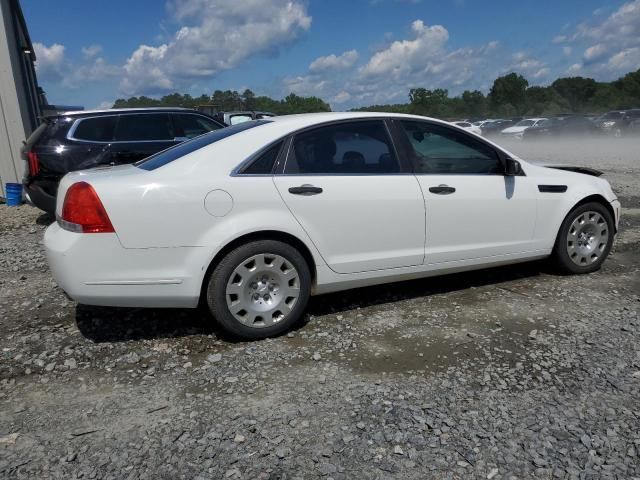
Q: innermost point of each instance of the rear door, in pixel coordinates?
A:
(139, 135)
(361, 207)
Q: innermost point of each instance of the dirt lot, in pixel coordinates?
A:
(506, 373)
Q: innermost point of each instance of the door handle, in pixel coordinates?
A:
(305, 190)
(442, 190)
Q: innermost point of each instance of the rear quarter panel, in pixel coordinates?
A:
(165, 207)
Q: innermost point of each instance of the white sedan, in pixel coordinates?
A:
(517, 131)
(469, 127)
(253, 219)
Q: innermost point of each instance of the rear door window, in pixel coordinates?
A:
(97, 129)
(186, 125)
(343, 149)
(144, 127)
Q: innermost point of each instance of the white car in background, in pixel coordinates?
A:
(469, 127)
(480, 123)
(252, 219)
(517, 131)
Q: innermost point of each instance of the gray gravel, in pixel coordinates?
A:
(505, 373)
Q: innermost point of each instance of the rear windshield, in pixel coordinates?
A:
(182, 149)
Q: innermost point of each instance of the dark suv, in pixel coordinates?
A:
(86, 139)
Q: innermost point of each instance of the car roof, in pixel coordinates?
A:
(301, 120)
(127, 110)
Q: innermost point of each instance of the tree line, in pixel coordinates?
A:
(229, 100)
(509, 96)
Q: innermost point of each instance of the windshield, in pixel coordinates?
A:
(611, 115)
(182, 149)
(524, 123)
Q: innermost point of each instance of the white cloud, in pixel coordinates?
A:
(405, 56)
(386, 76)
(95, 70)
(105, 105)
(91, 51)
(333, 62)
(610, 44)
(49, 61)
(595, 52)
(542, 73)
(574, 69)
(215, 35)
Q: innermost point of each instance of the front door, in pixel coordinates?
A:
(346, 188)
(473, 210)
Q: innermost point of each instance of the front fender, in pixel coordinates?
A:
(553, 207)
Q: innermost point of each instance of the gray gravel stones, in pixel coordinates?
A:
(506, 373)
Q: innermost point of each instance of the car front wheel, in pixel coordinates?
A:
(585, 239)
(260, 289)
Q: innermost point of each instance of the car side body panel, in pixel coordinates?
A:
(171, 222)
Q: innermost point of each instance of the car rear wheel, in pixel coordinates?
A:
(260, 289)
(585, 239)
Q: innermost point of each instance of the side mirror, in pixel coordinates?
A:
(512, 168)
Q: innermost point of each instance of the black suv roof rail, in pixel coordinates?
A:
(126, 110)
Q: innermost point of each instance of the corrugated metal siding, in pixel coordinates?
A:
(18, 92)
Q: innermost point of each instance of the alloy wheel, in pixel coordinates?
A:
(262, 290)
(587, 238)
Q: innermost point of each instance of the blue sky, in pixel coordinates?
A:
(351, 53)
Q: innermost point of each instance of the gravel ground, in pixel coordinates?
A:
(505, 373)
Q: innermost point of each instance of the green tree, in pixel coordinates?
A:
(473, 103)
(577, 91)
(249, 100)
(429, 102)
(508, 93)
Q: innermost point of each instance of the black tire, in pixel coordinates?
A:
(220, 278)
(560, 255)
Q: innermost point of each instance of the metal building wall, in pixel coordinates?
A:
(19, 105)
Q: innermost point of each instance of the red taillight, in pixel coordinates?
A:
(82, 211)
(34, 165)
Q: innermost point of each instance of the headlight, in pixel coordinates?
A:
(608, 124)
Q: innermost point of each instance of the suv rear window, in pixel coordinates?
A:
(97, 129)
(190, 125)
(182, 149)
(144, 127)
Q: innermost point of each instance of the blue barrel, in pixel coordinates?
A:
(14, 194)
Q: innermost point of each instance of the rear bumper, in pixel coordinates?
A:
(95, 269)
(39, 198)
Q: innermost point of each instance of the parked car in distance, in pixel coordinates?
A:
(253, 219)
(496, 126)
(469, 127)
(561, 126)
(90, 138)
(517, 130)
(233, 118)
(612, 123)
(481, 123)
(631, 122)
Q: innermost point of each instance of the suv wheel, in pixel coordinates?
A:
(260, 289)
